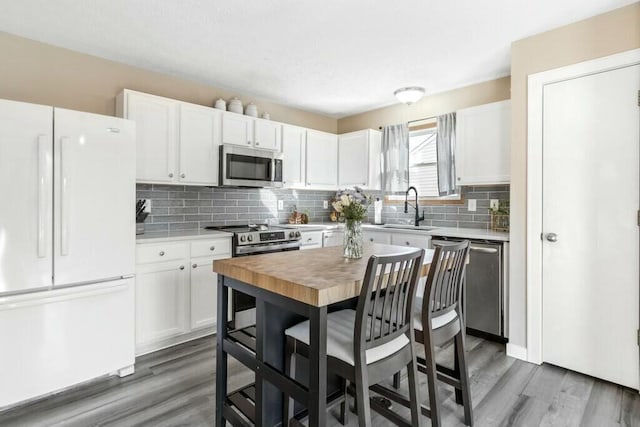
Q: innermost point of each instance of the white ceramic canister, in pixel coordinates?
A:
(235, 106)
(220, 104)
(251, 110)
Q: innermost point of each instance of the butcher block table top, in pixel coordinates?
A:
(316, 277)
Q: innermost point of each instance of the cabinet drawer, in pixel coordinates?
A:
(311, 239)
(377, 237)
(160, 252)
(413, 240)
(217, 247)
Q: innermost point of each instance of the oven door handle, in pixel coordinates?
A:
(244, 250)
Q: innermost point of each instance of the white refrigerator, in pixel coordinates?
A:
(67, 242)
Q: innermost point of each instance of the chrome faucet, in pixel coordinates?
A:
(418, 217)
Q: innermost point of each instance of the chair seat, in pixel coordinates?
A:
(436, 322)
(340, 340)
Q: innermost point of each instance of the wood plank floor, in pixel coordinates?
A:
(176, 387)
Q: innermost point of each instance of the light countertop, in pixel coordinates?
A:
(168, 236)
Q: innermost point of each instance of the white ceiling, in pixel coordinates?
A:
(333, 57)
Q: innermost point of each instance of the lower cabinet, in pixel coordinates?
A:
(310, 240)
(377, 237)
(176, 291)
(411, 239)
(332, 238)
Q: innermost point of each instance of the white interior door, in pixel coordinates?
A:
(26, 153)
(94, 197)
(590, 203)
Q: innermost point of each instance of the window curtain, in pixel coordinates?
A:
(395, 157)
(446, 146)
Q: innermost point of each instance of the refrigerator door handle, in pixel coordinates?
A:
(64, 196)
(44, 163)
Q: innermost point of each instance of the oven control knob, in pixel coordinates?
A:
(250, 238)
(242, 238)
(292, 234)
(297, 234)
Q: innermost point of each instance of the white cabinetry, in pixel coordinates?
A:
(237, 129)
(176, 291)
(377, 237)
(322, 160)
(156, 134)
(482, 144)
(332, 238)
(199, 144)
(310, 240)
(176, 142)
(359, 159)
(268, 135)
(411, 239)
(294, 140)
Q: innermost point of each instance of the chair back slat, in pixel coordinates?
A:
(443, 290)
(385, 305)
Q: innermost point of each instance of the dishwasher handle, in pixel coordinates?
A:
(483, 250)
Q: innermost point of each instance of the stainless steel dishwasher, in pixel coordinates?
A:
(484, 287)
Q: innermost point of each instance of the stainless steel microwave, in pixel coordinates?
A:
(248, 167)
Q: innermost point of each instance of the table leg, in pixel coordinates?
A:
(221, 356)
(318, 367)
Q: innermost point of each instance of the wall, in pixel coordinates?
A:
(602, 35)
(429, 106)
(44, 74)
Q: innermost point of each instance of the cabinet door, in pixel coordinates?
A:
(293, 150)
(377, 237)
(237, 129)
(268, 135)
(322, 160)
(375, 156)
(332, 238)
(199, 144)
(156, 136)
(204, 293)
(353, 159)
(482, 144)
(161, 297)
(411, 239)
(310, 240)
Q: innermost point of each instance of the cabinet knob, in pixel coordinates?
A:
(407, 243)
(183, 175)
(371, 239)
(161, 253)
(249, 142)
(182, 267)
(194, 265)
(170, 175)
(458, 178)
(257, 143)
(212, 248)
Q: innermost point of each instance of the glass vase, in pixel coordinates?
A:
(353, 239)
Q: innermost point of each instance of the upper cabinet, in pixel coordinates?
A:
(359, 159)
(156, 134)
(267, 135)
(251, 132)
(322, 160)
(199, 144)
(176, 142)
(237, 129)
(483, 135)
(294, 142)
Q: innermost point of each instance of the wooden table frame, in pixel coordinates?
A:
(267, 363)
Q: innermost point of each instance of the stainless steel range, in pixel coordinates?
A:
(255, 240)
(260, 239)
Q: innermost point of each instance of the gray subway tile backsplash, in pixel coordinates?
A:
(178, 207)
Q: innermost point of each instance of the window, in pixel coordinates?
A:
(423, 161)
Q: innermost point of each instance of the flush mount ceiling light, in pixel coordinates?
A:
(409, 95)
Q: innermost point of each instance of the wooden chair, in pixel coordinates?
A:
(440, 309)
(364, 348)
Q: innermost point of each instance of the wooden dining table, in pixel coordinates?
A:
(288, 287)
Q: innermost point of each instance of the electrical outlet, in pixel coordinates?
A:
(325, 204)
(280, 205)
(147, 205)
(494, 204)
(472, 205)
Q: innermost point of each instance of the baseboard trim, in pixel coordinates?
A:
(170, 342)
(517, 351)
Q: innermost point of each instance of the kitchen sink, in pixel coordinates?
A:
(410, 227)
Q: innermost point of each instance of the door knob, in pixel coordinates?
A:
(552, 237)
